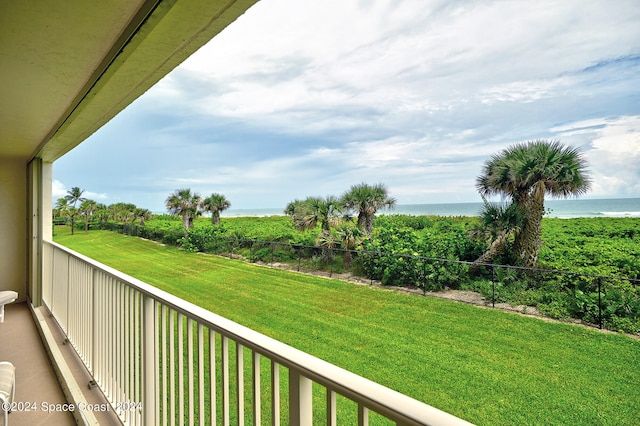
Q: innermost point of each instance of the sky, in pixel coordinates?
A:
(307, 98)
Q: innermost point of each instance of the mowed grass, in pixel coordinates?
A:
(486, 366)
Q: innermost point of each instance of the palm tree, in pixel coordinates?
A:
(324, 211)
(498, 222)
(122, 212)
(367, 200)
(184, 203)
(215, 204)
(350, 237)
(60, 210)
(526, 172)
(102, 213)
(142, 215)
(87, 208)
(308, 213)
(73, 196)
(297, 211)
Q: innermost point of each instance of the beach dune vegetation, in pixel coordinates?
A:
(184, 203)
(526, 172)
(366, 200)
(215, 204)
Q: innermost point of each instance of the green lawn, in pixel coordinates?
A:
(486, 366)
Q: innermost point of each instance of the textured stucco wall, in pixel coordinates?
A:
(13, 226)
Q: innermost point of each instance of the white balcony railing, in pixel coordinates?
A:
(163, 361)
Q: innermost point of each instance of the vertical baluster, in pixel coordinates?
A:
(256, 388)
(363, 415)
(225, 381)
(172, 366)
(111, 345)
(163, 366)
(332, 416)
(300, 399)
(156, 358)
(275, 393)
(93, 319)
(212, 376)
(240, 382)
(190, 369)
(200, 374)
(125, 327)
(180, 369)
(149, 357)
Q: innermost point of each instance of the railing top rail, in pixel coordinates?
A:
(392, 404)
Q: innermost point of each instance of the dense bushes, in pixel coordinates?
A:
(433, 253)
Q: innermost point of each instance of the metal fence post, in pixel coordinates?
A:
(271, 253)
(333, 259)
(493, 286)
(600, 302)
(424, 275)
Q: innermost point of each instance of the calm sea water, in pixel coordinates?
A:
(617, 207)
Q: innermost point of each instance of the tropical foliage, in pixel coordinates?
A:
(429, 253)
(366, 200)
(74, 195)
(185, 204)
(525, 173)
(214, 204)
(497, 223)
(189, 205)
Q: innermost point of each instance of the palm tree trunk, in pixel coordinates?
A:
(215, 217)
(527, 241)
(496, 247)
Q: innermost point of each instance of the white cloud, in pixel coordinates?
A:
(300, 98)
(612, 149)
(58, 189)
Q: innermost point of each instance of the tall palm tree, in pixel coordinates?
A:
(366, 200)
(527, 171)
(184, 203)
(215, 203)
(87, 208)
(73, 196)
(498, 222)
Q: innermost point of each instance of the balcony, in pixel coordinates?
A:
(158, 359)
(106, 338)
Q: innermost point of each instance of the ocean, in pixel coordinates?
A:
(614, 207)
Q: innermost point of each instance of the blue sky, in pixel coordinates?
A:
(300, 99)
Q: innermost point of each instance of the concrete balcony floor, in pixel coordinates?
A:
(36, 379)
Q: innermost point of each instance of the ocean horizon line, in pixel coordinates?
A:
(563, 208)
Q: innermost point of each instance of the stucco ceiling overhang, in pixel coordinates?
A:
(67, 68)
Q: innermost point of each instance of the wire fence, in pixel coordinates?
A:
(611, 302)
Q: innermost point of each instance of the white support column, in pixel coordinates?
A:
(40, 224)
(300, 400)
